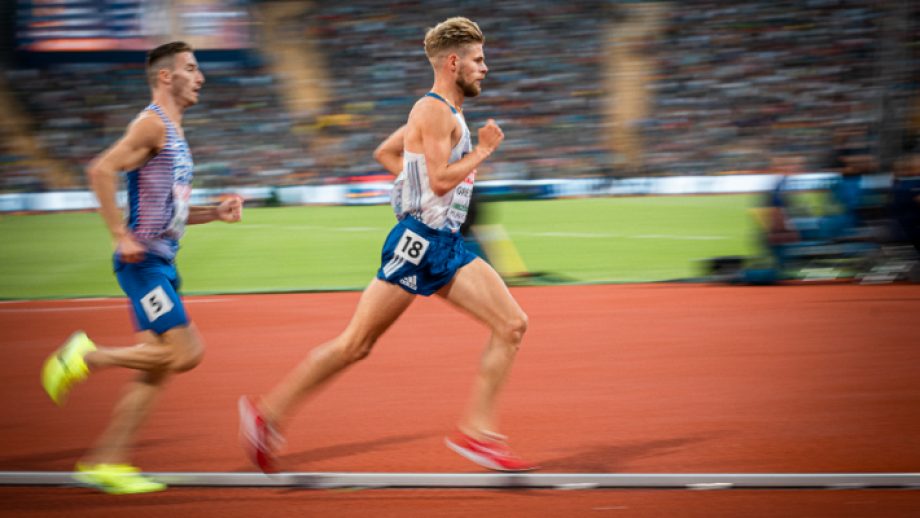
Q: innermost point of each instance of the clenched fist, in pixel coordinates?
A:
(490, 136)
(231, 210)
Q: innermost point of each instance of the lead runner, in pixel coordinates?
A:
(423, 254)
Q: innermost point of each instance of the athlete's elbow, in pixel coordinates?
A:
(95, 174)
(92, 172)
(440, 188)
(379, 154)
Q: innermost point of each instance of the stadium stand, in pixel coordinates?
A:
(729, 87)
(545, 90)
(741, 83)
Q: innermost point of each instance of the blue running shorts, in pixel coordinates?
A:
(152, 286)
(420, 259)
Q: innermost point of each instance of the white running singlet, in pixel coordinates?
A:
(412, 194)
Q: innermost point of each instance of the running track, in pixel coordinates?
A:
(659, 378)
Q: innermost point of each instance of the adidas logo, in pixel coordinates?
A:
(408, 282)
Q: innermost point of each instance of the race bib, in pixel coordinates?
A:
(411, 247)
(460, 203)
(156, 303)
(182, 191)
(181, 196)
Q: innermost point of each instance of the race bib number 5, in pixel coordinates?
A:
(412, 247)
(156, 303)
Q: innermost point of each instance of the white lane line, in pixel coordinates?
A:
(47, 310)
(659, 236)
(502, 480)
(536, 234)
(563, 234)
(123, 305)
(314, 227)
(622, 236)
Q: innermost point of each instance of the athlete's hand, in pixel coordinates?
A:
(130, 250)
(490, 136)
(231, 210)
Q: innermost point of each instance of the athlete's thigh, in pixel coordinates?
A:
(184, 342)
(182, 335)
(152, 288)
(185, 338)
(477, 289)
(146, 337)
(380, 305)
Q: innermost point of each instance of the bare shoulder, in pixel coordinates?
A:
(147, 129)
(147, 120)
(429, 112)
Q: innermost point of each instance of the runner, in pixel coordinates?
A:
(424, 254)
(159, 164)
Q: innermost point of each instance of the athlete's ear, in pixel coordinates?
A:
(452, 60)
(166, 75)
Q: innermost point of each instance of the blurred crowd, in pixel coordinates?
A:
(544, 87)
(735, 85)
(240, 134)
(744, 82)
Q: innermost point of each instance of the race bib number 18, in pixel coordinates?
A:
(412, 247)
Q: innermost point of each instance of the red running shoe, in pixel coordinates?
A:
(492, 452)
(259, 440)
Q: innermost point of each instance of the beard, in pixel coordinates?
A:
(470, 88)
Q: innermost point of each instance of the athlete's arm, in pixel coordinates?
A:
(434, 123)
(390, 153)
(142, 141)
(230, 210)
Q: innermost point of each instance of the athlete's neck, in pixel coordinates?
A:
(171, 106)
(450, 92)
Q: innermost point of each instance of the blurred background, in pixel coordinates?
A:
(598, 99)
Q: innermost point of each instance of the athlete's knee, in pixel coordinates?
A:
(354, 348)
(357, 351)
(187, 361)
(512, 329)
(186, 350)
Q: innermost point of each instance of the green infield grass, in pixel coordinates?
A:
(630, 239)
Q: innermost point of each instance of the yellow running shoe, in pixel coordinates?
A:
(65, 368)
(115, 479)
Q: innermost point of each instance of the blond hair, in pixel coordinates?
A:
(452, 34)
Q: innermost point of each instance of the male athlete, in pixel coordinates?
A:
(156, 157)
(424, 254)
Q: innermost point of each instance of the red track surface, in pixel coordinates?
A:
(611, 379)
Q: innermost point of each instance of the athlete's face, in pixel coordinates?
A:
(186, 79)
(471, 70)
